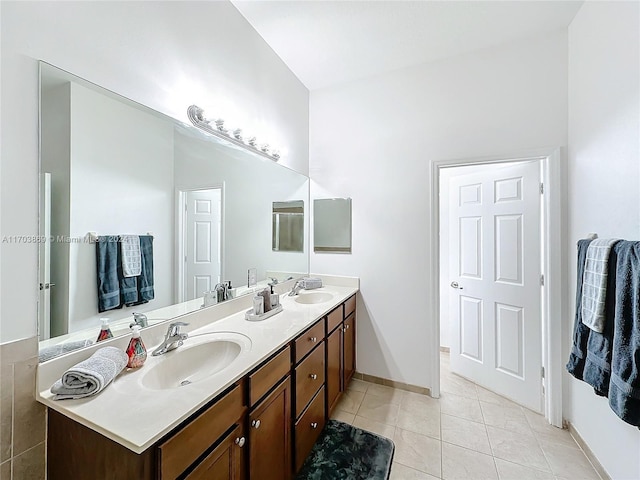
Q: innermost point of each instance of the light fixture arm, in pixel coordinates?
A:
(196, 116)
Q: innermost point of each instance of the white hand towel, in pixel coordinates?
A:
(594, 283)
(131, 256)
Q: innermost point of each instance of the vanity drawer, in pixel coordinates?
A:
(180, 451)
(309, 378)
(268, 375)
(334, 318)
(349, 306)
(309, 339)
(308, 428)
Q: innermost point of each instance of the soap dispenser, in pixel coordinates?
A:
(136, 350)
(105, 331)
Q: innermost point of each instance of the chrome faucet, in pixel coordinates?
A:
(139, 319)
(172, 340)
(296, 288)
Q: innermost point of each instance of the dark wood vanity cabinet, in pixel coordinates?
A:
(270, 419)
(226, 461)
(260, 428)
(341, 350)
(270, 435)
(209, 444)
(309, 402)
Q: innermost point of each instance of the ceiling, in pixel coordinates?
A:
(331, 42)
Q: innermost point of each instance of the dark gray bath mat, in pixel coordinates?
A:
(346, 452)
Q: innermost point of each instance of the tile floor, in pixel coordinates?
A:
(469, 433)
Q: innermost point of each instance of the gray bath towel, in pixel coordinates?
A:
(90, 376)
(594, 290)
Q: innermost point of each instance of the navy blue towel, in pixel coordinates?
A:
(145, 284)
(578, 355)
(624, 389)
(108, 266)
(597, 367)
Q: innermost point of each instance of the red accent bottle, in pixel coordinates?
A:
(105, 331)
(136, 350)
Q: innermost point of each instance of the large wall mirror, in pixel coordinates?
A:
(112, 167)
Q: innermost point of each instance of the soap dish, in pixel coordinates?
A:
(251, 317)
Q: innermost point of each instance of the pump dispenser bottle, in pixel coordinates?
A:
(136, 351)
(105, 331)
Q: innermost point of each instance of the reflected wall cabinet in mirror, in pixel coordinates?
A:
(110, 167)
(288, 226)
(332, 225)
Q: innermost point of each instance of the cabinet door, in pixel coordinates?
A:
(270, 436)
(349, 349)
(225, 462)
(334, 368)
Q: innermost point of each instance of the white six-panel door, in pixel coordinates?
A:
(202, 241)
(495, 273)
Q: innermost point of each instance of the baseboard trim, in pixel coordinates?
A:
(587, 451)
(392, 383)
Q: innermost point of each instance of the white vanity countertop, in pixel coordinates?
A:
(137, 417)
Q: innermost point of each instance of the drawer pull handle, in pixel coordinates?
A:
(313, 376)
(313, 339)
(240, 441)
(255, 423)
(314, 425)
(347, 326)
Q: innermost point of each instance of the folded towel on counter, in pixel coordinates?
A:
(108, 267)
(47, 353)
(594, 290)
(309, 283)
(90, 376)
(131, 257)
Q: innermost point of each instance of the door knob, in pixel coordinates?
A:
(240, 441)
(313, 376)
(255, 423)
(314, 425)
(456, 285)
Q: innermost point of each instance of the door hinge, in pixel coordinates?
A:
(542, 372)
(541, 188)
(542, 280)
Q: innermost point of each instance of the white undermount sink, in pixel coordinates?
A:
(189, 364)
(313, 297)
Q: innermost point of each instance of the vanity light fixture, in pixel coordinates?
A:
(217, 128)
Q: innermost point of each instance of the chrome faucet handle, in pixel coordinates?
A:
(174, 329)
(274, 281)
(139, 319)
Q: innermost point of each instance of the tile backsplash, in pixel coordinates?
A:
(22, 418)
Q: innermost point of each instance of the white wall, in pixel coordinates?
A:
(374, 140)
(166, 55)
(56, 157)
(250, 188)
(604, 188)
(121, 183)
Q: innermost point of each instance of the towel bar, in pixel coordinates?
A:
(92, 237)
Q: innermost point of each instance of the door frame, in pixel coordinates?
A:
(180, 233)
(553, 291)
